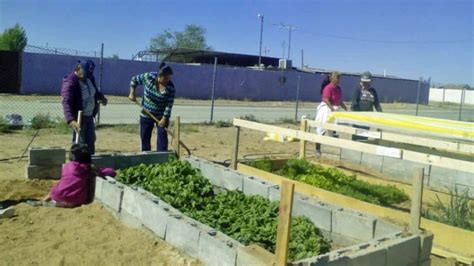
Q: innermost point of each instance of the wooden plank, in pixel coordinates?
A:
(358, 146)
(416, 199)
(235, 153)
(304, 128)
(284, 222)
(450, 238)
(409, 139)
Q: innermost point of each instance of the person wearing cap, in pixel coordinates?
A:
(76, 186)
(331, 102)
(365, 98)
(158, 99)
(79, 93)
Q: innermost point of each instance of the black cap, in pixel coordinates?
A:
(80, 153)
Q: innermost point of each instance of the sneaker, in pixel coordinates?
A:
(7, 213)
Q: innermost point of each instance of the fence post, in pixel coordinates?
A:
(101, 67)
(461, 103)
(297, 98)
(418, 96)
(235, 153)
(416, 199)
(213, 88)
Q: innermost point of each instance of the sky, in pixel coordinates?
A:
(406, 38)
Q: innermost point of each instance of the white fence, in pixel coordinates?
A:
(451, 96)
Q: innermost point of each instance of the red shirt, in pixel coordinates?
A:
(333, 94)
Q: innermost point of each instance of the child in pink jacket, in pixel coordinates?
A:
(77, 179)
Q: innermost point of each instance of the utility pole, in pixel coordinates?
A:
(289, 28)
(261, 34)
(302, 59)
(283, 45)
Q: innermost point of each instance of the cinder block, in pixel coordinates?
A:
(112, 193)
(217, 249)
(372, 161)
(47, 156)
(319, 214)
(129, 219)
(442, 178)
(98, 188)
(104, 161)
(222, 176)
(254, 255)
(426, 243)
(328, 149)
(351, 156)
(133, 202)
(183, 235)
(274, 193)
(383, 228)
(370, 256)
(401, 170)
(331, 157)
(43, 172)
(193, 160)
(128, 160)
(256, 186)
(328, 259)
(155, 217)
(403, 251)
(352, 224)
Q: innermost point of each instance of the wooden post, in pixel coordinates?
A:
(236, 149)
(304, 128)
(416, 200)
(177, 135)
(284, 222)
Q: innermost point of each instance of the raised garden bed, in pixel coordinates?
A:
(210, 212)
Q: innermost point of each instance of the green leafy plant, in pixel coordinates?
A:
(334, 180)
(459, 211)
(264, 164)
(248, 219)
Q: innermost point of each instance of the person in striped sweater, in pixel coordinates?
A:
(158, 99)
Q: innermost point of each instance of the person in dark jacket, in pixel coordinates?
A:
(79, 93)
(365, 98)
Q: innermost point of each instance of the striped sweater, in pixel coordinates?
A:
(156, 102)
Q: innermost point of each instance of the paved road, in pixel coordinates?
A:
(116, 113)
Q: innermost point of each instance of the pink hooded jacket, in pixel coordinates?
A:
(74, 187)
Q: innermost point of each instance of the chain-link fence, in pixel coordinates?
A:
(60, 51)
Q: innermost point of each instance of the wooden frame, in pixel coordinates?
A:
(407, 155)
(409, 139)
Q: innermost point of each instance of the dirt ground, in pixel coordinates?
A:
(90, 235)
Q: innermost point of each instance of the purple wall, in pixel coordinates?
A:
(42, 74)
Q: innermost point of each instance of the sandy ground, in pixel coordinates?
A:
(90, 235)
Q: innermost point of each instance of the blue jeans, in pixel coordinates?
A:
(146, 129)
(87, 133)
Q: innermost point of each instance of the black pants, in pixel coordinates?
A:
(146, 129)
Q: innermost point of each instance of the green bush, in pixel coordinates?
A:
(3, 126)
(41, 120)
(248, 219)
(334, 180)
(249, 117)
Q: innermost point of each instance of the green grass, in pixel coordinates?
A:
(459, 211)
(249, 117)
